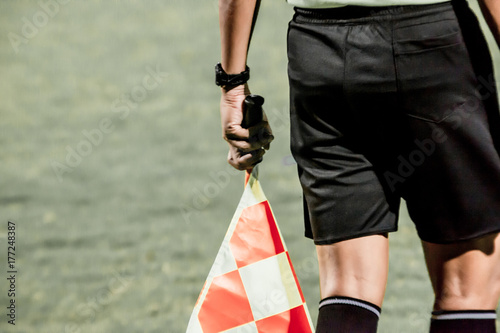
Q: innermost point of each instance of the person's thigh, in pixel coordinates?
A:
(355, 268)
(465, 275)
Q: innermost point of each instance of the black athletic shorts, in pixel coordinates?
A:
(390, 103)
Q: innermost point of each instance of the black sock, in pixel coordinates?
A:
(347, 315)
(468, 321)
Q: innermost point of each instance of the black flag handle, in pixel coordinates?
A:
(253, 113)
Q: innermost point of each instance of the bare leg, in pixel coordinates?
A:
(465, 275)
(355, 268)
(466, 281)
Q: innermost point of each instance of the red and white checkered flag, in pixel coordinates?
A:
(252, 286)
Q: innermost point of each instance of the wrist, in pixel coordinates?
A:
(233, 69)
(229, 81)
(238, 90)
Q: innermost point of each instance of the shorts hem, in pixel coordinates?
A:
(461, 239)
(330, 241)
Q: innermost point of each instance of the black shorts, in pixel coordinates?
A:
(390, 103)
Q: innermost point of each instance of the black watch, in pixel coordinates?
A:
(222, 79)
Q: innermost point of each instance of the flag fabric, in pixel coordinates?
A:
(252, 286)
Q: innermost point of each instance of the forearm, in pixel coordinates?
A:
(235, 20)
(491, 13)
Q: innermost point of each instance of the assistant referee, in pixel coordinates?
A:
(389, 99)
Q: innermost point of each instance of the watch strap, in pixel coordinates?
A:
(223, 79)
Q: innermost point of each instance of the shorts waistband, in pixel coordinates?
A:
(362, 13)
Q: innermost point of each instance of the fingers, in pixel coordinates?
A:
(253, 138)
(246, 146)
(244, 161)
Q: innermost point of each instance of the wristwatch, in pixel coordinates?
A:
(222, 79)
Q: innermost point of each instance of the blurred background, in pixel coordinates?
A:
(113, 169)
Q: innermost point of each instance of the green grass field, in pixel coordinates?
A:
(111, 167)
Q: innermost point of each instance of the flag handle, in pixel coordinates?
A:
(253, 115)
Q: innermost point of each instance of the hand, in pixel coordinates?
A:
(246, 146)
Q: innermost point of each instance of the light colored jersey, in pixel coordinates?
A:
(368, 3)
